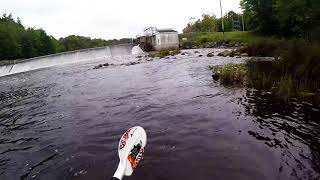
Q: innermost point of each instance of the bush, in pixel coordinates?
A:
(262, 48)
(231, 74)
(265, 75)
(285, 87)
(300, 59)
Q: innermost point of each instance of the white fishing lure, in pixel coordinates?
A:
(131, 150)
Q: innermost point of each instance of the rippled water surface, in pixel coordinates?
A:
(65, 122)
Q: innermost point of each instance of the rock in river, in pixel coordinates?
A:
(102, 65)
(225, 53)
(244, 55)
(210, 54)
(215, 76)
(132, 63)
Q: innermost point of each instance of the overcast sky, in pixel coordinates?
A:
(110, 19)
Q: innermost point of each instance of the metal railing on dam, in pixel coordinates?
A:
(66, 58)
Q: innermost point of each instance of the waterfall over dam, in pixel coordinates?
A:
(66, 58)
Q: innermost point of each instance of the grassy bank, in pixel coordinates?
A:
(295, 71)
(246, 42)
(237, 36)
(216, 39)
(267, 76)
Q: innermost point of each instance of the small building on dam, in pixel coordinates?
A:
(158, 39)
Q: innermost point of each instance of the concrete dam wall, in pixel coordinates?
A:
(66, 58)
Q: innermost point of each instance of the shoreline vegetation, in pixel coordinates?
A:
(293, 72)
(18, 42)
(285, 30)
(265, 76)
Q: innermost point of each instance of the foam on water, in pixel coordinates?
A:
(136, 50)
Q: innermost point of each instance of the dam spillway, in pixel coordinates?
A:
(66, 58)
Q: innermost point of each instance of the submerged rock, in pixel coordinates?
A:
(200, 55)
(98, 67)
(196, 52)
(132, 63)
(101, 66)
(210, 54)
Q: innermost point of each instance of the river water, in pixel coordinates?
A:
(64, 122)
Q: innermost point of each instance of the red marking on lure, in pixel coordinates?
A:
(124, 139)
(134, 161)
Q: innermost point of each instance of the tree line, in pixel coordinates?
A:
(210, 23)
(19, 42)
(285, 18)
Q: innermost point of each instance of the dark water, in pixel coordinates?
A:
(65, 123)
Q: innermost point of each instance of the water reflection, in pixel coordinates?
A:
(287, 126)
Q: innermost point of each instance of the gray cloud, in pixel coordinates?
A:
(110, 19)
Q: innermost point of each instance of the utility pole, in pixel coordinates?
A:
(242, 22)
(222, 18)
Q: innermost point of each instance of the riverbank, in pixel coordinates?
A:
(248, 42)
(264, 75)
(294, 72)
(218, 39)
(242, 42)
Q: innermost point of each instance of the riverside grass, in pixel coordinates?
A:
(247, 42)
(237, 36)
(283, 86)
(296, 66)
(213, 39)
(231, 74)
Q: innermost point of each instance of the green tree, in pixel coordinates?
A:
(228, 19)
(18, 42)
(298, 18)
(10, 36)
(261, 14)
(206, 24)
